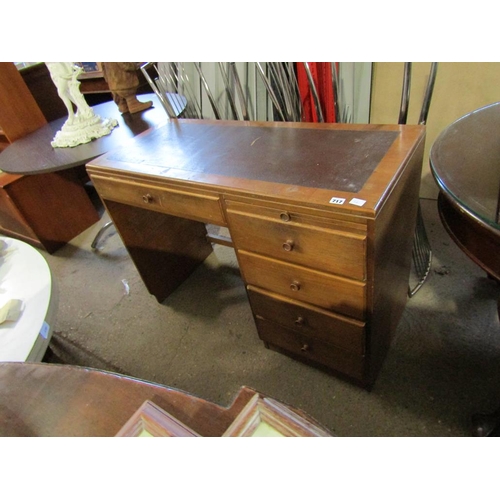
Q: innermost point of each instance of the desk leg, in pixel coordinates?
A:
(165, 249)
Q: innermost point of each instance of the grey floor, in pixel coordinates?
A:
(443, 365)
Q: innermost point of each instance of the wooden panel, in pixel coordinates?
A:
(56, 206)
(19, 112)
(308, 348)
(46, 210)
(39, 82)
(278, 235)
(12, 223)
(393, 231)
(477, 240)
(318, 323)
(299, 283)
(165, 249)
(72, 401)
(4, 142)
(194, 206)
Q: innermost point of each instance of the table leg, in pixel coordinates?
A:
(486, 424)
(165, 249)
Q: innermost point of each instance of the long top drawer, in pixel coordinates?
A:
(201, 206)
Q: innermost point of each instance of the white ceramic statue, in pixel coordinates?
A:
(83, 125)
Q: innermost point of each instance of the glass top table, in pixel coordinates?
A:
(465, 161)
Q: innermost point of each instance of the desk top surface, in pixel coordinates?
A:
(465, 161)
(304, 162)
(34, 154)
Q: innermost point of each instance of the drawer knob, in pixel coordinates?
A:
(299, 321)
(147, 198)
(285, 216)
(305, 348)
(288, 246)
(295, 286)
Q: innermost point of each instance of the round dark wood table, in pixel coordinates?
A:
(49, 400)
(43, 200)
(465, 162)
(34, 154)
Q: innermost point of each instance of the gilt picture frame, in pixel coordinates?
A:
(152, 421)
(265, 417)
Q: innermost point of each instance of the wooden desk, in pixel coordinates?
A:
(321, 217)
(52, 207)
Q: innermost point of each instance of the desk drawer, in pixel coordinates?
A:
(190, 205)
(324, 249)
(308, 348)
(305, 285)
(303, 319)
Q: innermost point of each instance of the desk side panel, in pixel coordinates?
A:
(392, 234)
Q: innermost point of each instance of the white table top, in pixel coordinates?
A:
(25, 275)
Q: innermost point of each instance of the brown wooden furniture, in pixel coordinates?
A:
(38, 399)
(465, 162)
(52, 207)
(31, 207)
(39, 82)
(321, 217)
(45, 210)
(33, 153)
(19, 112)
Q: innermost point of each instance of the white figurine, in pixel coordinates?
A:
(83, 125)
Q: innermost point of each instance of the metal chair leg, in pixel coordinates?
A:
(100, 233)
(421, 254)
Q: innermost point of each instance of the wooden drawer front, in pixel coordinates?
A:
(305, 285)
(311, 349)
(328, 327)
(201, 207)
(331, 251)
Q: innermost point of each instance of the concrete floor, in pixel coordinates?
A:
(443, 365)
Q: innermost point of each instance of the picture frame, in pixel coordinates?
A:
(90, 70)
(152, 421)
(265, 417)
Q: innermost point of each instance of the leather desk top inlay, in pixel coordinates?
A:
(327, 158)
